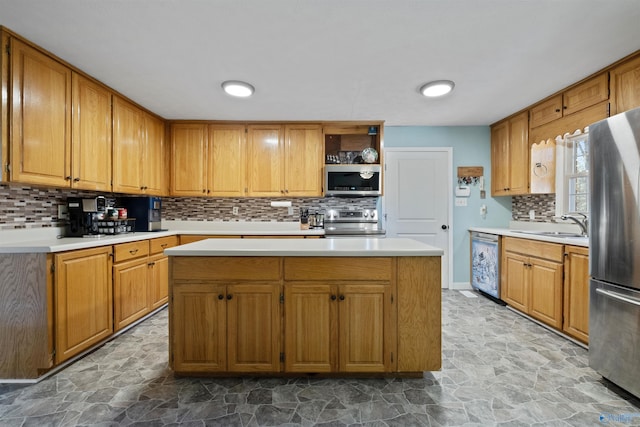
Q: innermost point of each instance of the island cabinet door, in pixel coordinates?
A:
(311, 327)
(197, 315)
(253, 327)
(365, 335)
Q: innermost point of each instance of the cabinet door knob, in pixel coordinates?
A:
(220, 297)
(333, 297)
(229, 296)
(68, 178)
(557, 110)
(76, 179)
(341, 297)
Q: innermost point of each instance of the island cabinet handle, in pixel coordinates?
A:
(229, 296)
(220, 297)
(341, 297)
(333, 297)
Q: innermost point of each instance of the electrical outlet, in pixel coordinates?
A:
(63, 212)
(234, 210)
(290, 210)
(532, 214)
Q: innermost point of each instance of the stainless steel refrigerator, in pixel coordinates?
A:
(614, 249)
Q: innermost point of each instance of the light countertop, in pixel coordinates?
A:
(49, 240)
(358, 247)
(510, 232)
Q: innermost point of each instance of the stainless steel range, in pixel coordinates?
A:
(353, 223)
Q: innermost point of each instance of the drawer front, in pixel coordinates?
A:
(535, 248)
(225, 268)
(127, 251)
(158, 245)
(338, 268)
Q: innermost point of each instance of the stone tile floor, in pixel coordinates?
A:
(498, 369)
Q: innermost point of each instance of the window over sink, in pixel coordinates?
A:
(572, 185)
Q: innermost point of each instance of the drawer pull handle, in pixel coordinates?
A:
(164, 245)
(133, 251)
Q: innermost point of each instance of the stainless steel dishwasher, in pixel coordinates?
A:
(485, 264)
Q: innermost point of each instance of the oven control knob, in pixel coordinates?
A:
(366, 214)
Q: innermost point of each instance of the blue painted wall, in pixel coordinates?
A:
(471, 147)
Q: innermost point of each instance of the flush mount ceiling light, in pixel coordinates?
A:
(437, 88)
(238, 88)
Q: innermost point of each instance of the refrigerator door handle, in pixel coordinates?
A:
(619, 297)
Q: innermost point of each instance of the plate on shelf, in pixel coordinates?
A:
(369, 155)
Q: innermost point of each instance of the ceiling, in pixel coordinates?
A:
(333, 59)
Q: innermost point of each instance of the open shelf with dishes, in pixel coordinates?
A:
(352, 144)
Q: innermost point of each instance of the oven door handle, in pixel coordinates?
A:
(619, 297)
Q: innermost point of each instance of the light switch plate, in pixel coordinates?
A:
(461, 201)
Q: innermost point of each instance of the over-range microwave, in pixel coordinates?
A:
(353, 180)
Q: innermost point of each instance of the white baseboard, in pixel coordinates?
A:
(460, 286)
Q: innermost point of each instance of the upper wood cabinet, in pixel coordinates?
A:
(303, 150)
(577, 98)
(154, 168)
(128, 146)
(510, 156)
(91, 135)
(625, 86)
(189, 159)
(227, 160)
(266, 160)
(137, 135)
(40, 118)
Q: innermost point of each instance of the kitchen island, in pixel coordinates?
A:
(370, 306)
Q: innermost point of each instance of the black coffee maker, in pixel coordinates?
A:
(82, 215)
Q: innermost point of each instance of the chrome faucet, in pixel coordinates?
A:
(583, 222)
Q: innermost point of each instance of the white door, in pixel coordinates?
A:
(417, 198)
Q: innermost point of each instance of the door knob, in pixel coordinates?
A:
(445, 227)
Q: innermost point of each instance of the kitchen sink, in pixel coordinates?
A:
(550, 233)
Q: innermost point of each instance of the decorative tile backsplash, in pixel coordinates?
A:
(544, 206)
(30, 207)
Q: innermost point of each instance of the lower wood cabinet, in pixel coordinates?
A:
(140, 279)
(532, 278)
(83, 300)
(226, 328)
(304, 314)
(576, 292)
(337, 327)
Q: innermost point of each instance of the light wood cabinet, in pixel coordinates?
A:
(337, 327)
(154, 175)
(266, 161)
(227, 160)
(40, 118)
(158, 274)
(576, 293)
(333, 321)
(315, 314)
(140, 279)
(625, 86)
(189, 159)
(91, 135)
(586, 94)
(304, 153)
(510, 156)
(128, 146)
(532, 278)
(226, 327)
(137, 135)
(83, 300)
